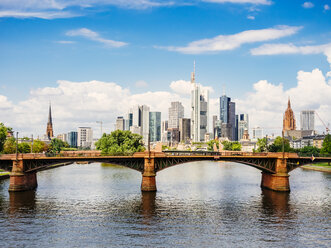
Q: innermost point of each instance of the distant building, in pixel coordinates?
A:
(72, 138)
(227, 131)
(228, 116)
(140, 121)
(63, 137)
(243, 124)
(214, 125)
(173, 136)
(49, 129)
(120, 123)
(176, 111)
(257, 133)
(164, 129)
(289, 119)
(199, 111)
(307, 120)
(84, 137)
(185, 130)
(155, 126)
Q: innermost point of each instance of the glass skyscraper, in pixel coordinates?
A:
(155, 126)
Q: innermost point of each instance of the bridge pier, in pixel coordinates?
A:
(20, 180)
(148, 182)
(278, 181)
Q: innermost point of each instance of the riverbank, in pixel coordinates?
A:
(323, 167)
(4, 174)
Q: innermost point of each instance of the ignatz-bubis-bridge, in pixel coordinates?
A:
(275, 167)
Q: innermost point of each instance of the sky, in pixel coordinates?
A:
(94, 59)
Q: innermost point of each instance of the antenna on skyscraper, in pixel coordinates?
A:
(193, 73)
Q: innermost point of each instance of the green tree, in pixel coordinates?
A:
(120, 143)
(262, 145)
(211, 145)
(3, 135)
(236, 146)
(56, 145)
(24, 147)
(39, 146)
(9, 146)
(231, 146)
(277, 146)
(326, 147)
(307, 151)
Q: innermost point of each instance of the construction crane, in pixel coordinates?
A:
(327, 129)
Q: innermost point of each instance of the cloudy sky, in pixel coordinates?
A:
(94, 59)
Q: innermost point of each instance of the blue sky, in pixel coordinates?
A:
(235, 43)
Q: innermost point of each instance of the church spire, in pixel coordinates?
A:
(289, 103)
(49, 130)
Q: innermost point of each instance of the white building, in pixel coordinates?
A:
(199, 110)
(84, 137)
(257, 133)
(307, 120)
(176, 112)
(243, 124)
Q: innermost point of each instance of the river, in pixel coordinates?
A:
(200, 204)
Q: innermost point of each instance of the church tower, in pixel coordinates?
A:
(49, 130)
(288, 119)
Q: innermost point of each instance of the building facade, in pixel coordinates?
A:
(289, 119)
(72, 138)
(176, 111)
(120, 123)
(228, 116)
(243, 124)
(307, 120)
(155, 126)
(49, 129)
(184, 130)
(84, 137)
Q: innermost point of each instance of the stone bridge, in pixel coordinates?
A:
(274, 166)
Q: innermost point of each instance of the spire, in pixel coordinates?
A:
(193, 73)
(289, 103)
(50, 114)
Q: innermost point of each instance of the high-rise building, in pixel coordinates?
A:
(155, 126)
(164, 129)
(72, 138)
(120, 123)
(214, 125)
(140, 121)
(62, 136)
(228, 116)
(307, 120)
(49, 130)
(199, 110)
(84, 137)
(184, 129)
(289, 119)
(176, 111)
(243, 124)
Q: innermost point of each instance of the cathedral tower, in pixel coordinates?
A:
(289, 119)
(49, 130)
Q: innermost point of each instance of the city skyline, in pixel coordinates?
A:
(99, 60)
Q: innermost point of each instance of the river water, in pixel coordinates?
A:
(201, 204)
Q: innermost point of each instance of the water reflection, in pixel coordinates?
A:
(22, 202)
(275, 202)
(148, 204)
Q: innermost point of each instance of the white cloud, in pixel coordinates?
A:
(264, 2)
(141, 84)
(326, 7)
(250, 17)
(37, 14)
(183, 87)
(4, 103)
(94, 36)
(273, 49)
(308, 5)
(65, 42)
(230, 42)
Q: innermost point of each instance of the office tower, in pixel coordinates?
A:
(49, 129)
(289, 119)
(72, 138)
(228, 116)
(140, 121)
(184, 129)
(84, 137)
(120, 123)
(257, 133)
(214, 125)
(200, 109)
(307, 120)
(173, 136)
(155, 126)
(164, 129)
(243, 125)
(176, 111)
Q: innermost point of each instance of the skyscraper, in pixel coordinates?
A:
(140, 121)
(72, 138)
(49, 129)
(307, 120)
(228, 116)
(199, 110)
(85, 137)
(176, 111)
(164, 129)
(120, 123)
(184, 129)
(243, 124)
(155, 126)
(289, 119)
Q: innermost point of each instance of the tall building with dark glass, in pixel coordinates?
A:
(72, 138)
(228, 116)
(155, 126)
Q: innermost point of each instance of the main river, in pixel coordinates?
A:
(201, 204)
